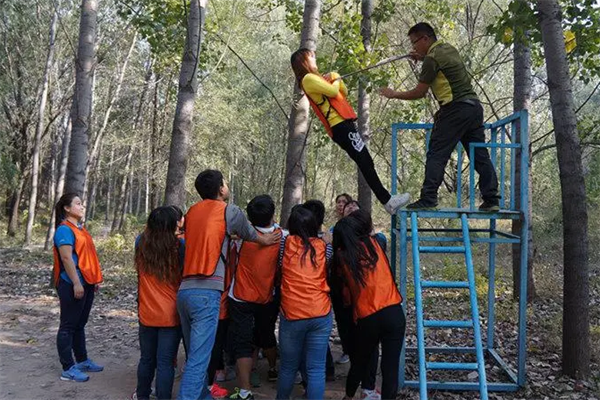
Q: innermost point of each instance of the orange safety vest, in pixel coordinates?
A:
(338, 103)
(380, 290)
(89, 265)
(304, 288)
(157, 301)
(229, 271)
(255, 272)
(205, 232)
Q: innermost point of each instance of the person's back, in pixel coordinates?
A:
(304, 288)
(256, 268)
(209, 225)
(306, 318)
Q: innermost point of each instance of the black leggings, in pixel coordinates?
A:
(386, 326)
(216, 357)
(346, 135)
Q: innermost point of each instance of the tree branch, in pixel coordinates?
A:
(255, 76)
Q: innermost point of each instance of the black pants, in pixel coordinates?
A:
(216, 357)
(369, 376)
(74, 315)
(453, 123)
(386, 326)
(343, 320)
(346, 135)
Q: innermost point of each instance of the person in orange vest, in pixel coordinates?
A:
(208, 226)
(251, 298)
(158, 261)
(327, 96)
(76, 275)
(305, 321)
(365, 270)
(217, 362)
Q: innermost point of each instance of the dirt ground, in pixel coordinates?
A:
(29, 367)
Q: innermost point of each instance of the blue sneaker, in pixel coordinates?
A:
(89, 366)
(74, 374)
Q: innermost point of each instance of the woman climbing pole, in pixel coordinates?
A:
(327, 97)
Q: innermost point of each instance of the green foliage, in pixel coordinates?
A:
(520, 23)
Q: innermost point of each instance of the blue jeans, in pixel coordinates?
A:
(158, 348)
(305, 341)
(199, 313)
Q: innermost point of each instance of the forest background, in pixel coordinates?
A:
(245, 112)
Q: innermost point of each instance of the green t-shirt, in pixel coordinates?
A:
(443, 69)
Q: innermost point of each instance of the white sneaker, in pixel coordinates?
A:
(371, 394)
(396, 202)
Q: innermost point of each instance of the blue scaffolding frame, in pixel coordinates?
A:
(500, 142)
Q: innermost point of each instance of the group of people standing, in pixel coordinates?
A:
(220, 280)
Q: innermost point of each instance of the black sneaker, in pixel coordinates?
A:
(272, 375)
(489, 206)
(422, 205)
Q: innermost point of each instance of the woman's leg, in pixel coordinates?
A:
(291, 345)
(346, 136)
(392, 322)
(366, 335)
(167, 345)
(216, 357)
(79, 348)
(317, 341)
(145, 372)
(71, 310)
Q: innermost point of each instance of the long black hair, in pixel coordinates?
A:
(157, 252)
(353, 245)
(59, 209)
(302, 223)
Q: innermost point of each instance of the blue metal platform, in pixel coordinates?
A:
(438, 240)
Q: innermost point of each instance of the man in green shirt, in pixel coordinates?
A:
(459, 119)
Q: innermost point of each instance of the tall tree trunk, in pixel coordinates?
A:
(107, 113)
(147, 181)
(62, 172)
(298, 124)
(121, 201)
(183, 121)
(521, 101)
(110, 185)
(154, 146)
(576, 291)
(364, 190)
(13, 222)
(35, 170)
(82, 99)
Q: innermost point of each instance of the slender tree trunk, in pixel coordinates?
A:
(154, 146)
(147, 181)
(62, 172)
(107, 113)
(120, 203)
(13, 222)
(183, 121)
(110, 185)
(576, 291)
(364, 190)
(82, 99)
(298, 124)
(35, 170)
(522, 101)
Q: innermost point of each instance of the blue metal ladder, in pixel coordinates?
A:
(473, 323)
